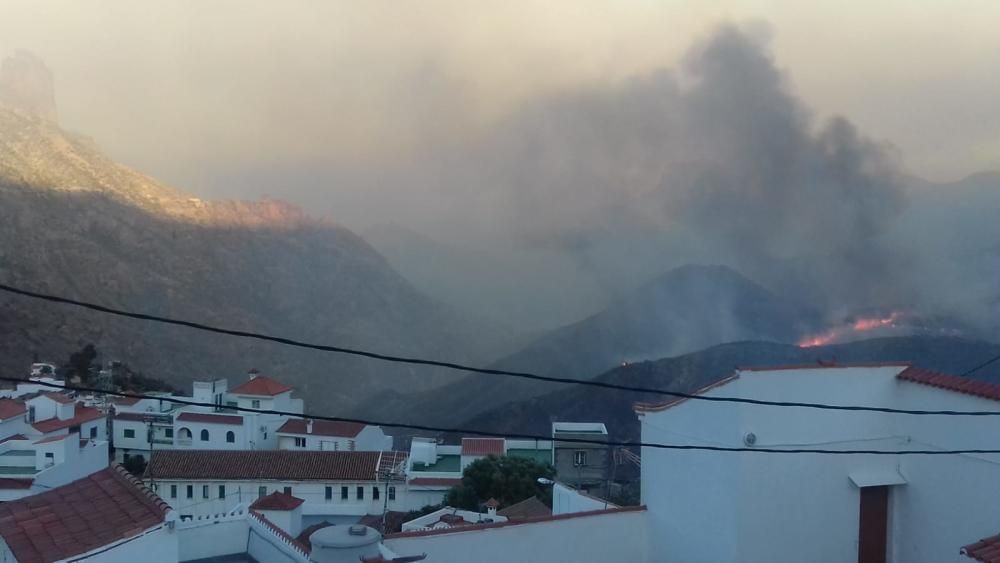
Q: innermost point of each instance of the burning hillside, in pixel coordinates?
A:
(851, 330)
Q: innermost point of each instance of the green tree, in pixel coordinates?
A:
(507, 479)
(134, 464)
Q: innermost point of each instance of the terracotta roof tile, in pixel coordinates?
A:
(47, 526)
(528, 508)
(985, 550)
(262, 386)
(83, 414)
(58, 397)
(277, 501)
(483, 446)
(293, 465)
(9, 408)
(8, 484)
(951, 383)
(207, 418)
(323, 428)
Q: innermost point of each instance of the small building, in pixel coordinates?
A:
(584, 465)
(326, 435)
(337, 486)
(448, 517)
(106, 517)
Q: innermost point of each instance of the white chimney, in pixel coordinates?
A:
(309, 426)
(253, 373)
(491, 507)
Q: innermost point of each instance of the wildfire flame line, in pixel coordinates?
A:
(838, 333)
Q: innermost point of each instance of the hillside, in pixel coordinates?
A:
(687, 309)
(75, 223)
(692, 371)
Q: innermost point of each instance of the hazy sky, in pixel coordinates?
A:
(190, 90)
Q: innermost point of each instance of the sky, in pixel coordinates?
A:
(189, 91)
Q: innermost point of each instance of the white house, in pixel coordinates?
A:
(306, 434)
(448, 517)
(782, 507)
(105, 517)
(144, 425)
(338, 486)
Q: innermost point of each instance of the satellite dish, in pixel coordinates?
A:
(750, 439)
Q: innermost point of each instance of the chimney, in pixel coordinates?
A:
(253, 373)
(491, 507)
(309, 426)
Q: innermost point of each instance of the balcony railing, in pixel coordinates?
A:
(183, 442)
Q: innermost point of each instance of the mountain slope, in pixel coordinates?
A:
(74, 223)
(692, 371)
(689, 308)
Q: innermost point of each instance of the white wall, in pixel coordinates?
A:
(212, 538)
(618, 536)
(709, 506)
(566, 500)
(154, 546)
(85, 461)
(12, 426)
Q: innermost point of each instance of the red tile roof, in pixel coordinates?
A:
(262, 386)
(58, 397)
(83, 414)
(279, 531)
(19, 484)
(9, 408)
(277, 501)
(285, 465)
(322, 428)
(492, 503)
(482, 446)
(527, 508)
(206, 418)
(435, 482)
(955, 383)
(84, 515)
(985, 550)
(519, 522)
(14, 437)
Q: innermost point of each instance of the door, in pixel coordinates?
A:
(873, 524)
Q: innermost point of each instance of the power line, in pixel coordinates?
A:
(514, 436)
(471, 369)
(979, 367)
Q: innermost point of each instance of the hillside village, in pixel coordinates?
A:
(221, 483)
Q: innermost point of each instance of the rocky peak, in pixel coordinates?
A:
(26, 85)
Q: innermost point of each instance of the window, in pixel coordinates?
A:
(204, 435)
(222, 491)
(351, 445)
(579, 458)
(300, 442)
(329, 493)
(168, 432)
(190, 491)
(343, 493)
(204, 491)
(361, 493)
(231, 437)
(93, 431)
(262, 492)
(375, 493)
(288, 491)
(129, 433)
(173, 491)
(392, 493)
(255, 404)
(31, 415)
(184, 434)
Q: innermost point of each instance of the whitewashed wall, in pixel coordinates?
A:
(566, 500)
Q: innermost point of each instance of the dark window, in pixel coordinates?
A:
(204, 435)
(129, 433)
(231, 437)
(392, 493)
(204, 491)
(300, 442)
(375, 493)
(329, 493)
(168, 432)
(173, 491)
(343, 493)
(579, 458)
(361, 493)
(93, 431)
(190, 491)
(222, 491)
(288, 491)
(255, 404)
(262, 492)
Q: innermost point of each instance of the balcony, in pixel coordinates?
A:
(168, 441)
(183, 442)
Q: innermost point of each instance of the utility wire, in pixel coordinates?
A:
(980, 366)
(471, 369)
(514, 436)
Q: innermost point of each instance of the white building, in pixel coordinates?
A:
(105, 517)
(325, 435)
(338, 486)
(448, 517)
(711, 506)
(142, 425)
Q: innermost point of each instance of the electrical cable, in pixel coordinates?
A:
(515, 436)
(484, 371)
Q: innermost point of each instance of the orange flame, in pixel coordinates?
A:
(859, 325)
